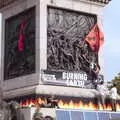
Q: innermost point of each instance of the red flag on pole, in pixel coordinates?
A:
(95, 38)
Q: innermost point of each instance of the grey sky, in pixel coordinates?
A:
(112, 39)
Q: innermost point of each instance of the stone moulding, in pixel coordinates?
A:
(5, 3)
(101, 1)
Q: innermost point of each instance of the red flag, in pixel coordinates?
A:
(21, 37)
(95, 38)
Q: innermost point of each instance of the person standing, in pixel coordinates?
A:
(52, 102)
(38, 115)
(113, 95)
(102, 94)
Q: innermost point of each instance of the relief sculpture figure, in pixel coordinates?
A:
(67, 48)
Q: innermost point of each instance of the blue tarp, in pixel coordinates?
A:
(65, 114)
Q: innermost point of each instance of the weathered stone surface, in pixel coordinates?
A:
(4, 3)
(27, 84)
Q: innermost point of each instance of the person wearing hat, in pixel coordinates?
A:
(113, 95)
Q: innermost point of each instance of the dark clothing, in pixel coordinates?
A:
(52, 102)
(113, 103)
(48, 100)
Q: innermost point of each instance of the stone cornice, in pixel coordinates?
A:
(5, 3)
(100, 1)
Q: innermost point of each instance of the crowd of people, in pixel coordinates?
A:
(52, 101)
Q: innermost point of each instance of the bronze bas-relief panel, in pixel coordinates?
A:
(19, 56)
(67, 49)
